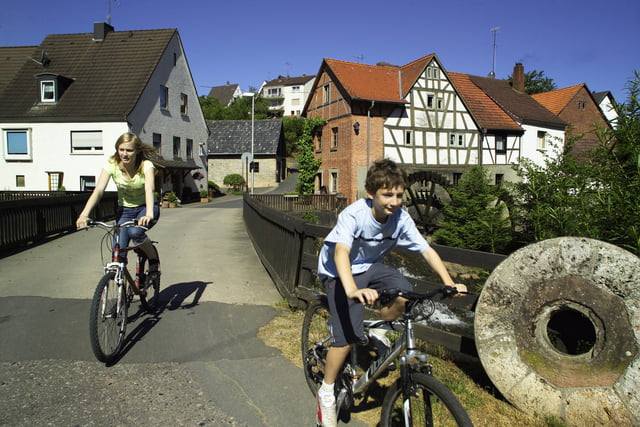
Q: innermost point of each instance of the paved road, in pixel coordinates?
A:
(198, 362)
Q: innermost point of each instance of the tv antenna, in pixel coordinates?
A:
(359, 58)
(109, 7)
(494, 30)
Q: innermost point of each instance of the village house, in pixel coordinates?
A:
(577, 106)
(287, 95)
(424, 118)
(229, 151)
(63, 108)
(226, 94)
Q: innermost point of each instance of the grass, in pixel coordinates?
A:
(464, 376)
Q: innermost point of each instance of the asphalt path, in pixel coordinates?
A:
(197, 362)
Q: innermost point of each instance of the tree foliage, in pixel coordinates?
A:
(307, 163)
(234, 180)
(240, 108)
(536, 82)
(476, 217)
(293, 130)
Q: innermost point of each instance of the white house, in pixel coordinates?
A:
(64, 108)
(287, 94)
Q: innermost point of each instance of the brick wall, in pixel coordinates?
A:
(583, 120)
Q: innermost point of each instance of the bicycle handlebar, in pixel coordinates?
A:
(387, 295)
(131, 223)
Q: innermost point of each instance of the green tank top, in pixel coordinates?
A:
(130, 191)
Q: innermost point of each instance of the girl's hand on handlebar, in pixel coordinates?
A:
(145, 220)
(82, 221)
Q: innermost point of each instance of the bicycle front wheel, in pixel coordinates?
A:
(108, 319)
(315, 343)
(429, 403)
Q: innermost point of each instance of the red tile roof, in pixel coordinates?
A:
(556, 100)
(487, 113)
(384, 83)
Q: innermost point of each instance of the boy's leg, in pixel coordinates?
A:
(335, 359)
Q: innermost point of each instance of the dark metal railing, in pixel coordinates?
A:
(35, 216)
(288, 247)
(302, 203)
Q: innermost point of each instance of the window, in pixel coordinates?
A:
(87, 183)
(501, 144)
(20, 181)
(176, 146)
(456, 178)
(164, 97)
(333, 183)
(433, 73)
(157, 142)
(17, 144)
(87, 142)
(581, 105)
(276, 91)
(47, 91)
(189, 148)
(499, 179)
(326, 94)
(456, 140)
(254, 166)
(439, 102)
(55, 180)
(334, 138)
(430, 98)
(295, 88)
(542, 139)
(319, 139)
(408, 140)
(184, 109)
(295, 101)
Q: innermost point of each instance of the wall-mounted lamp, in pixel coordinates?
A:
(356, 127)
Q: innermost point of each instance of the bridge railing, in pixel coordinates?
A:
(31, 217)
(288, 247)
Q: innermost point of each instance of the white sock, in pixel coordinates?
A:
(378, 332)
(325, 394)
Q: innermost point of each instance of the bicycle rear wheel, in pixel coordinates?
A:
(108, 319)
(315, 343)
(430, 403)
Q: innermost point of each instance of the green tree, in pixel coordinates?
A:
(234, 180)
(240, 108)
(293, 128)
(476, 218)
(536, 82)
(307, 163)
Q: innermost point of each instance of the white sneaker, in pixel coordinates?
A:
(327, 415)
(379, 337)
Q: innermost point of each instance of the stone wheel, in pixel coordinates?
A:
(557, 329)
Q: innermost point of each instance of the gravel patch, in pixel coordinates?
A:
(63, 393)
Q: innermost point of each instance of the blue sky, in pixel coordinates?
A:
(247, 41)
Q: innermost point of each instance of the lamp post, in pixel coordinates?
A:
(253, 106)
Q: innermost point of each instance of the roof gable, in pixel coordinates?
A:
(487, 113)
(11, 60)
(289, 81)
(521, 106)
(367, 82)
(224, 93)
(234, 136)
(108, 76)
(556, 100)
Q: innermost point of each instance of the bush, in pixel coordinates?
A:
(203, 194)
(235, 181)
(213, 186)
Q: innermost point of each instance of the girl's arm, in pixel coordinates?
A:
(149, 188)
(95, 197)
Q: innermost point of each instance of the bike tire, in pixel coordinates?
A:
(315, 343)
(107, 323)
(150, 298)
(432, 404)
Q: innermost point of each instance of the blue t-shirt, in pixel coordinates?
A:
(368, 239)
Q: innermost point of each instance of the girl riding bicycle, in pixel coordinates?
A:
(134, 176)
(350, 269)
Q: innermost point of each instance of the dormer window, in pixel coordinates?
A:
(48, 91)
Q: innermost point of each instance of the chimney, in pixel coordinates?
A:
(517, 81)
(100, 30)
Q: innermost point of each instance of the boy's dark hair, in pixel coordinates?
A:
(384, 173)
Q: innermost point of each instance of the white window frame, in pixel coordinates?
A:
(333, 181)
(502, 148)
(48, 91)
(408, 137)
(334, 138)
(457, 140)
(542, 140)
(326, 94)
(164, 97)
(189, 148)
(184, 104)
(86, 142)
(28, 156)
(87, 182)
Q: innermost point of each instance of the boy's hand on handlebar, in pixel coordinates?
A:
(461, 288)
(365, 296)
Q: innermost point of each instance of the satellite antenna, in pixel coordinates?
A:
(494, 30)
(44, 59)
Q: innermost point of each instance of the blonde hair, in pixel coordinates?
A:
(142, 150)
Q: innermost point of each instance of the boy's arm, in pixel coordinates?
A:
(434, 260)
(343, 265)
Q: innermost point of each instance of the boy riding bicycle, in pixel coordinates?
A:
(350, 269)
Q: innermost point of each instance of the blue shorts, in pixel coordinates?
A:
(347, 315)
